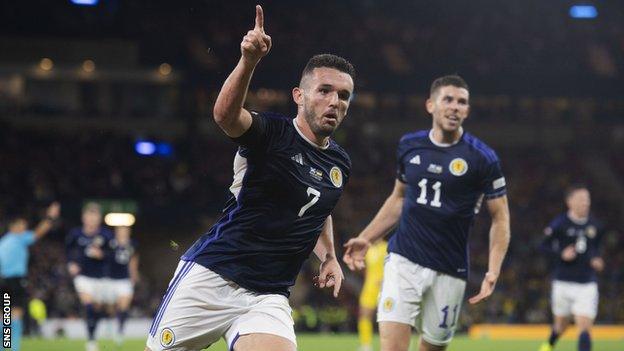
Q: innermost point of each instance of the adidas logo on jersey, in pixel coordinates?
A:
(298, 158)
(415, 160)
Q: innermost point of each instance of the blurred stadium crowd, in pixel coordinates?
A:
(545, 93)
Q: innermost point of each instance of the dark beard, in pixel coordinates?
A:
(315, 126)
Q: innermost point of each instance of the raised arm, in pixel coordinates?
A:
(229, 113)
(386, 219)
(500, 234)
(52, 214)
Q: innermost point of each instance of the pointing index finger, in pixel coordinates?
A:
(259, 18)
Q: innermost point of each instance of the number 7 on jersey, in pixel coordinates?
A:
(315, 197)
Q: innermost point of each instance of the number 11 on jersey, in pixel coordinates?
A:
(422, 199)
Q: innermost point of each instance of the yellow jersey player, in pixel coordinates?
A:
(370, 293)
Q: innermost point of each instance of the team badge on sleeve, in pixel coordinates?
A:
(335, 175)
(458, 167)
(167, 337)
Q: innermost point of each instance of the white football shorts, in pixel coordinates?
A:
(116, 288)
(571, 298)
(200, 307)
(421, 297)
(94, 287)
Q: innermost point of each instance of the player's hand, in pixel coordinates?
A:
(597, 264)
(256, 44)
(355, 253)
(569, 253)
(54, 210)
(330, 274)
(73, 269)
(95, 252)
(487, 288)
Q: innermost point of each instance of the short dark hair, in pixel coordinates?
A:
(331, 61)
(444, 81)
(16, 218)
(92, 207)
(573, 188)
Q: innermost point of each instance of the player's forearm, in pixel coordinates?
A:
(229, 104)
(500, 235)
(386, 219)
(133, 267)
(324, 248)
(43, 227)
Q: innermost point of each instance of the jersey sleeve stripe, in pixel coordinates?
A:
(485, 150)
(414, 135)
(496, 194)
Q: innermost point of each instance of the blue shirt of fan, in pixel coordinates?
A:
(119, 257)
(14, 254)
(284, 189)
(445, 185)
(585, 237)
(78, 244)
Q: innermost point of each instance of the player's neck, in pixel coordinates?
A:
(577, 218)
(442, 138)
(306, 132)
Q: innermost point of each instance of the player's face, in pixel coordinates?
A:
(18, 226)
(579, 202)
(325, 96)
(449, 107)
(91, 218)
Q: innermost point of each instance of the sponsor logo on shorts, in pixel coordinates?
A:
(388, 304)
(167, 337)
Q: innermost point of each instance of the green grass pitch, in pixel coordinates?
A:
(328, 342)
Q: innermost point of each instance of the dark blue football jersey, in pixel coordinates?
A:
(284, 189)
(585, 237)
(445, 185)
(78, 245)
(119, 257)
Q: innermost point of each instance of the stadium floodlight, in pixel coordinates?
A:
(88, 66)
(164, 69)
(164, 149)
(119, 219)
(46, 64)
(583, 11)
(85, 2)
(145, 148)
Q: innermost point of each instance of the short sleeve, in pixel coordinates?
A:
(257, 134)
(28, 238)
(494, 181)
(550, 242)
(400, 166)
(552, 228)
